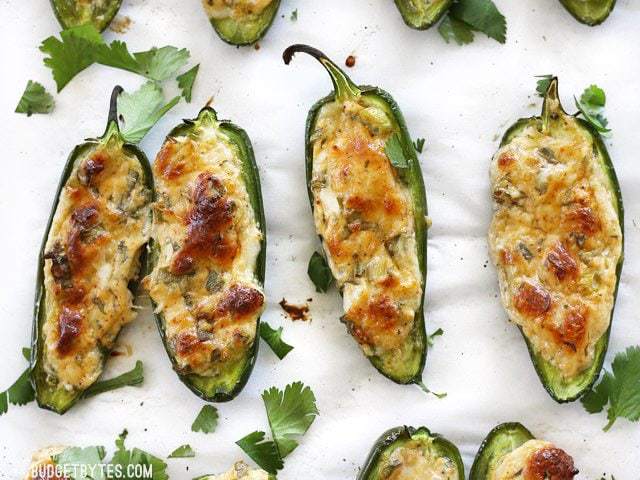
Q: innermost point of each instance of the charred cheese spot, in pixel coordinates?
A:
(560, 261)
(534, 460)
(532, 300)
(550, 463)
(69, 326)
(91, 254)
(556, 240)
(207, 240)
(237, 9)
(364, 213)
(210, 232)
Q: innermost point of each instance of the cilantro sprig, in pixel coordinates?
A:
(618, 389)
(132, 378)
(394, 151)
(274, 340)
(80, 47)
(319, 272)
(140, 111)
(20, 392)
(35, 99)
(290, 413)
(591, 106)
(183, 451)
(206, 421)
(124, 465)
(468, 16)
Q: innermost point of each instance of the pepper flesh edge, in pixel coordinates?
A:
(443, 446)
(571, 391)
(60, 400)
(416, 185)
(199, 384)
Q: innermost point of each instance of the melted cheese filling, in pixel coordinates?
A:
(556, 241)
(207, 241)
(241, 471)
(533, 460)
(237, 9)
(42, 466)
(86, 11)
(417, 460)
(92, 252)
(364, 214)
(512, 465)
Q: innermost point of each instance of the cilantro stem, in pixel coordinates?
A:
(426, 390)
(608, 426)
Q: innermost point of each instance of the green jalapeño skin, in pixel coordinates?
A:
(369, 205)
(422, 14)
(72, 13)
(241, 22)
(206, 261)
(589, 12)
(89, 264)
(511, 451)
(556, 166)
(407, 452)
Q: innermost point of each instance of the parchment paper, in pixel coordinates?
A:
(461, 99)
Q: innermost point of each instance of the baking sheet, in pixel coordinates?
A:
(460, 99)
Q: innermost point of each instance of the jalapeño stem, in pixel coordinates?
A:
(551, 105)
(343, 86)
(113, 105)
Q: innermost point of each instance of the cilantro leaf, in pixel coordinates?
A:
(591, 105)
(185, 82)
(453, 29)
(419, 144)
(206, 421)
(75, 461)
(439, 332)
(77, 50)
(141, 110)
(183, 451)
(482, 16)
(261, 451)
(161, 63)
(593, 96)
(395, 153)
(20, 392)
(319, 272)
(35, 99)
(80, 47)
(274, 340)
(542, 85)
(131, 378)
(154, 465)
(290, 414)
(620, 389)
(294, 15)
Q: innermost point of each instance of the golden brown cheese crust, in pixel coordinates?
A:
(534, 460)
(364, 214)
(556, 241)
(237, 9)
(92, 252)
(207, 241)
